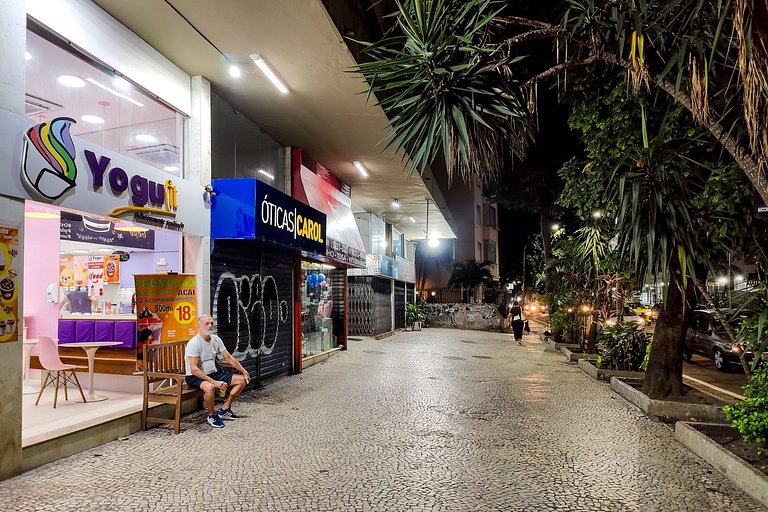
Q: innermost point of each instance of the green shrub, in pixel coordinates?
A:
(750, 416)
(565, 326)
(623, 347)
(418, 312)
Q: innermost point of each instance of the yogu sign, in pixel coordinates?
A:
(52, 163)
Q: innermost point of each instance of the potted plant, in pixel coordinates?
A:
(416, 315)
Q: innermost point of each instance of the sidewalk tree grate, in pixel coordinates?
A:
(483, 357)
(455, 358)
(467, 341)
(374, 352)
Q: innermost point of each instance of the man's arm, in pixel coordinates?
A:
(194, 365)
(236, 364)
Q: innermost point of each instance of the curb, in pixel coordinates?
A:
(665, 408)
(738, 471)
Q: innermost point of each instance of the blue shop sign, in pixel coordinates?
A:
(248, 208)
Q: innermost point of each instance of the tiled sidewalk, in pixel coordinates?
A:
(434, 420)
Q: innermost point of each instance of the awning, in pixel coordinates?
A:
(343, 242)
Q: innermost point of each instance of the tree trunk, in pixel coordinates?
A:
(592, 336)
(546, 244)
(664, 377)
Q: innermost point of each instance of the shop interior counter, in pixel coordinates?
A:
(88, 328)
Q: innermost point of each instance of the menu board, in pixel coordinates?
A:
(95, 276)
(112, 268)
(9, 293)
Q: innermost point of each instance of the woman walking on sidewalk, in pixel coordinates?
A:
(517, 319)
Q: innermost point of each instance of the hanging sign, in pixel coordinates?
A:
(102, 231)
(9, 290)
(166, 306)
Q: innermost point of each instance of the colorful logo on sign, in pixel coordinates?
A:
(50, 170)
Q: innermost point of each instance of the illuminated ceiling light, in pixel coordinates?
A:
(555, 227)
(171, 168)
(271, 75)
(361, 168)
(105, 250)
(71, 81)
(116, 93)
(27, 56)
(265, 173)
(395, 202)
(433, 240)
(597, 214)
(234, 71)
(145, 137)
(80, 251)
(92, 118)
(412, 219)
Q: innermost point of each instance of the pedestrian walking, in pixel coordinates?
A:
(517, 320)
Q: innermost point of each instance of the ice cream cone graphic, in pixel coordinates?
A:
(48, 159)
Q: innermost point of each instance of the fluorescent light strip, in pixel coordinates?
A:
(116, 93)
(412, 219)
(265, 173)
(361, 168)
(264, 67)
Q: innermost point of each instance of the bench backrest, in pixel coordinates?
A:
(165, 357)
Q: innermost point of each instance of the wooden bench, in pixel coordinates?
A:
(165, 362)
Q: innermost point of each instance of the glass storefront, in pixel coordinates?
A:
(107, 109)
(317, 307)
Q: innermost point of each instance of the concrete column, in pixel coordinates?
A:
(13, 41)
(198, 170)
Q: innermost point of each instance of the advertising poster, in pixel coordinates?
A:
(9, 294)
(66, 272)
(112, 268)
(95, 276)
(166, 306)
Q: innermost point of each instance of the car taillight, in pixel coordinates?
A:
(737, 348)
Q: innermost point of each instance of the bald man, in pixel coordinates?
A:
(200, 356)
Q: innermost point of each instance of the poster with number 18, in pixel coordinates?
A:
(166, 307)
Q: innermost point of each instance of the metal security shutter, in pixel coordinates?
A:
(252, 297)
(338, 278)
(360, 300)
(399, 304)
(382, 305)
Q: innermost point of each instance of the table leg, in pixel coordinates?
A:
(90, 396)
(27, 389)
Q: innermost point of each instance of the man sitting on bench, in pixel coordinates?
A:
(200, 356)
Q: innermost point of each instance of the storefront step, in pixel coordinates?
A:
(318, 358)
(89, 433)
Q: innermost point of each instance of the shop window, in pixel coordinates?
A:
(317, 309)
(109, 111)
(241, 149)
(397, 244)
(378, 235)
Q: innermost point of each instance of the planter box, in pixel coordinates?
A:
(740, 472)
(551, 343)
(600, 374)
(667, 408)
(573, 355)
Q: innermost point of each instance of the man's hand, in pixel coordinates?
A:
(246, 376)
(219, 384)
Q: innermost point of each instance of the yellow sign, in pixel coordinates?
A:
(166, 306)
(9, 290)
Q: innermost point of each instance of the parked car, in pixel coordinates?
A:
(628, 316)
(640, 309)
(706, 336)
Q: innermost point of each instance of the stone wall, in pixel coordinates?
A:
(478, 317)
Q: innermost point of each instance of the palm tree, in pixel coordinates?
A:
(452, 79)
(470, 275)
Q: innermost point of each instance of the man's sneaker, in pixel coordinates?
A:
(227, 414)
(215, 421)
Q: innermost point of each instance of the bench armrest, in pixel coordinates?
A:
(163, 375)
